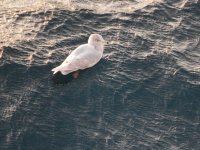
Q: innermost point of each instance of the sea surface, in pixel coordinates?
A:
(143, 95)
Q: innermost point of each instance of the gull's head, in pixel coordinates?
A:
(96, 40)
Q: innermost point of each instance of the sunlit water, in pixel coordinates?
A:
(143, 94)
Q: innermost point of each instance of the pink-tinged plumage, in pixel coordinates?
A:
(84, 56)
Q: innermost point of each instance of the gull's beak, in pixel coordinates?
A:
(105, 42)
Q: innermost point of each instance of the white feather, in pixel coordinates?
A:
(85, 56)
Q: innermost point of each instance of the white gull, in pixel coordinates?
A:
(84, 56)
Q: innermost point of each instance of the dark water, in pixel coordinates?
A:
(143, 95)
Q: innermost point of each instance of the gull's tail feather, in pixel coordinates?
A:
(62, 69)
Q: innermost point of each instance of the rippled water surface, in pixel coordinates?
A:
(144, 94)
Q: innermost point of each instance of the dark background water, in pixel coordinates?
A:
(144, 94)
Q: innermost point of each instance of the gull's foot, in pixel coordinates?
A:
(75, 74)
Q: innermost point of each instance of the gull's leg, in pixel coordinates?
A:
(75, 74)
